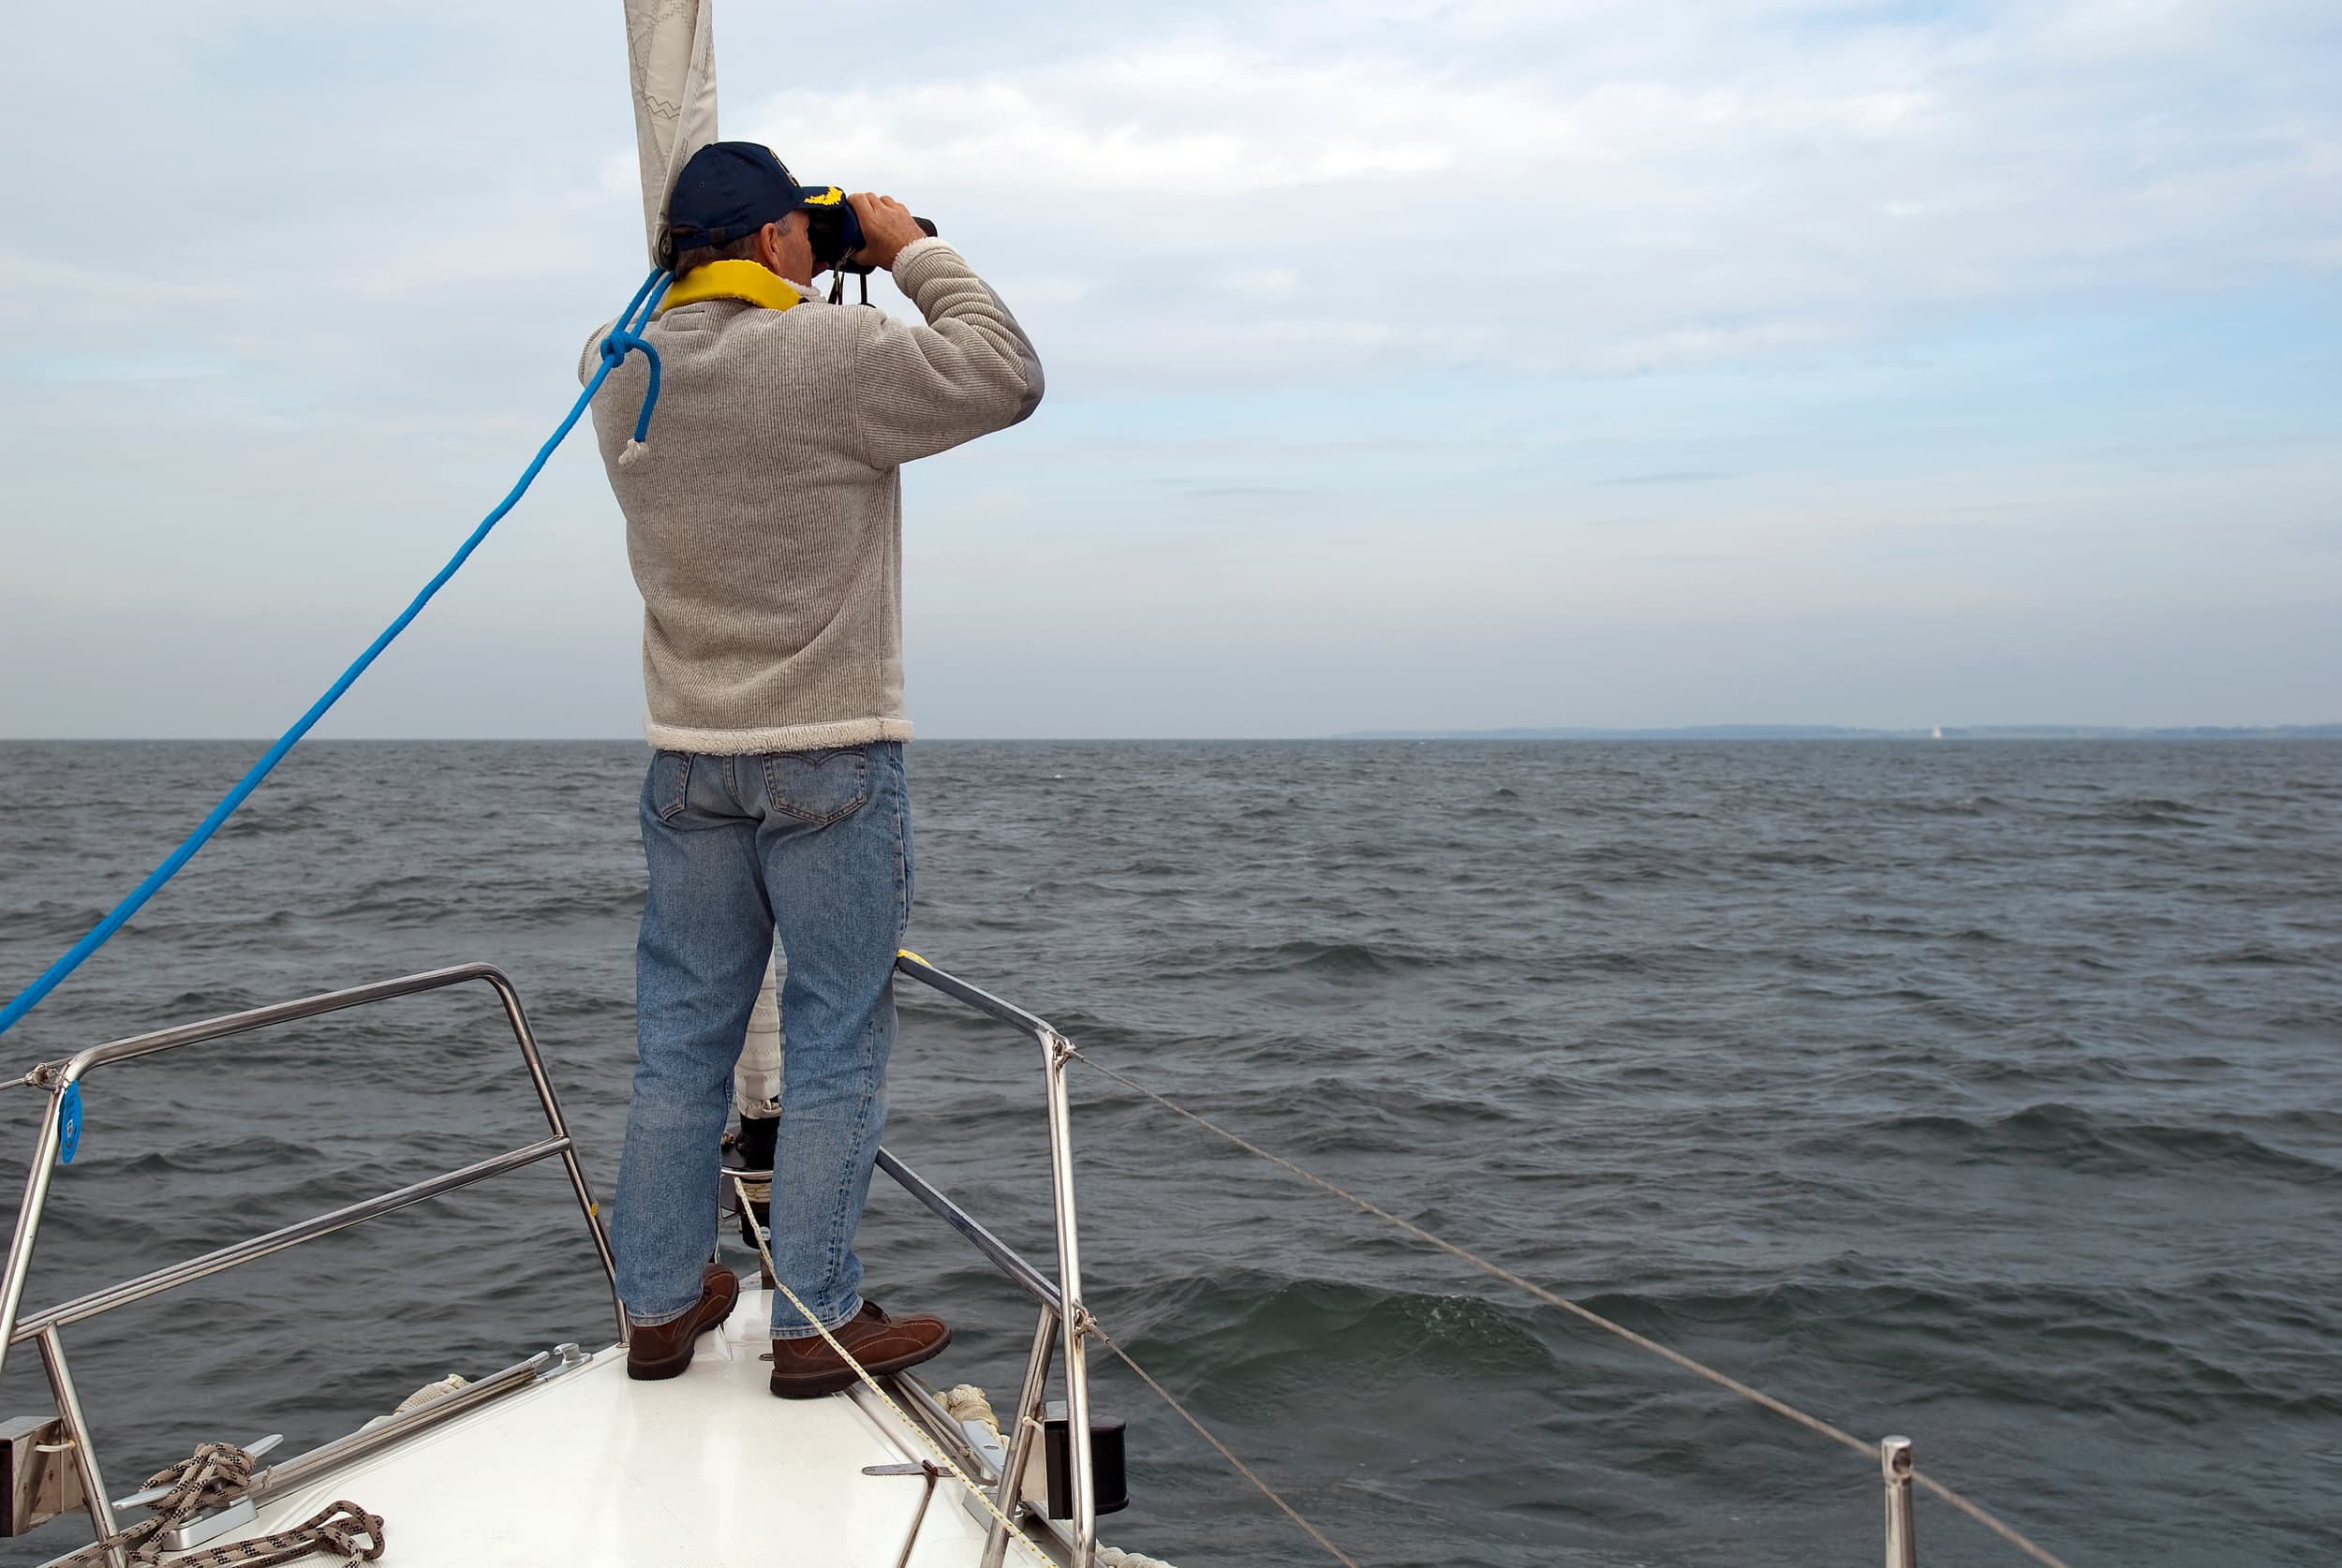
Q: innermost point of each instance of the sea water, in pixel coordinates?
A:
(1987, 1093)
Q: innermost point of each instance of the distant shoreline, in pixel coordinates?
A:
(1833, 731)
(1693, 733)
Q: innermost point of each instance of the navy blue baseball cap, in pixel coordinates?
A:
(728, 190)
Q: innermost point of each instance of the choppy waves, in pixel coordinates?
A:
(1991, 1093)
(2070, 1138)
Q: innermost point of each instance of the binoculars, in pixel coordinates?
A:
(835, 231)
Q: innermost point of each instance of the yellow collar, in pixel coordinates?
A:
(732, 280)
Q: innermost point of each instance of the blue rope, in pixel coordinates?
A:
(622, 340)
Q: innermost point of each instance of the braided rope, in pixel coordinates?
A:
(342, 1526)
(623, 339)
(1722, 1379)
(958, 1475)
(213, 1477)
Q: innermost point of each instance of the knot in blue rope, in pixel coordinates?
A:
(625, 338)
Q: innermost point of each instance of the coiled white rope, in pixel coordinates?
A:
(431, 1391)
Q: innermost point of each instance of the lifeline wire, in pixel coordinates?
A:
(740, 1185)
(1225, 1451)
(763, 1251)
(1811, 1423)
(623, 339)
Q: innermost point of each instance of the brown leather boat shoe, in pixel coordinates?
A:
(665, 1349)
(807, 1368)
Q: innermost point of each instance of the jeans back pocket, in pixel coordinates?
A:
(818, 786)
(667, 789)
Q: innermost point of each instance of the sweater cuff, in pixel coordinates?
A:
(921, 261)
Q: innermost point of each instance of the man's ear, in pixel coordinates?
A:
(768, 247)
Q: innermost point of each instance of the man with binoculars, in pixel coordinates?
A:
(764, 527)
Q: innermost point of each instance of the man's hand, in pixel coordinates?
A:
(887, 226)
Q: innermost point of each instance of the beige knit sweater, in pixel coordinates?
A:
(764, 517)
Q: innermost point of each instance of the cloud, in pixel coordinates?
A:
(1475, 194)
(1353, 308)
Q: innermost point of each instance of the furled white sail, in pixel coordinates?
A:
(756, 1079)
(671, 67)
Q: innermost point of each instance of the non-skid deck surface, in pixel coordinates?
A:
(704, 1471)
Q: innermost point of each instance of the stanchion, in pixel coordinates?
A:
(1894, 1464)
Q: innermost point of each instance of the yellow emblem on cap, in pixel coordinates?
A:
(830, 196)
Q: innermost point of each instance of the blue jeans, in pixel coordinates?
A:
(815, 845)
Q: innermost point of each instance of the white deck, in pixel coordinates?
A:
(591, 1470)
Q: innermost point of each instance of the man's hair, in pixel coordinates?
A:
(741, 249)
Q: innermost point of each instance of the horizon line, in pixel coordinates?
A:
(1729, 730)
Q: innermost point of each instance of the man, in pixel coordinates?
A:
(763, 523)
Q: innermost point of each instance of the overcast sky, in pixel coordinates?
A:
(1411, 365)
